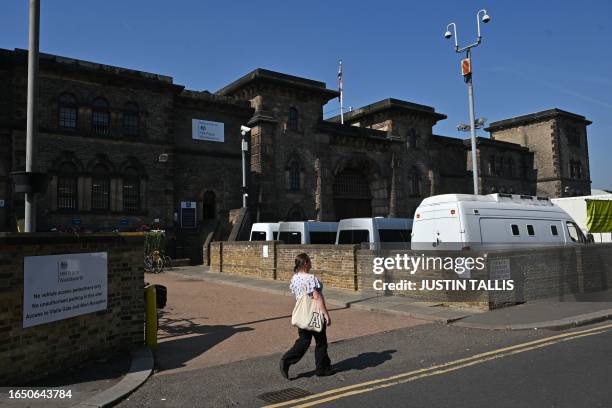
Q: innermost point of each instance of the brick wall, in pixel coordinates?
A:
(537, 273)
(334, 265)
(34, 352)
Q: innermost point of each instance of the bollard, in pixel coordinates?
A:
(151, 317)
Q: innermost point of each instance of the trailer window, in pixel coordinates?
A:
(322, 237)
(515, 230)
(553, 230)
(394, 235)
(290, 237)
(530, 230)
(258, 235)
(353, 236)
(275, 235)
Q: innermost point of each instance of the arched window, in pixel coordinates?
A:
(67, 192)
(100, 188)
(415, 182)
(131, 190)
(292, 123)
(68, 111)
(100, 117)
(130, 119)
(294, 176)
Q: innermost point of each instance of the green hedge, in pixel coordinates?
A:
(154, 241)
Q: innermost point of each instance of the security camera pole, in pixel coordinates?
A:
(466, 70)
(32, 113)
(245, 148)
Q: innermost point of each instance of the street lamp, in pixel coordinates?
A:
(466, 70)
(245, 147)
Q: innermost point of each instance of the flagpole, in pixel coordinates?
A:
(340, 90)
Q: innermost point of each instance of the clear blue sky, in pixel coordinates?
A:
(535, 55)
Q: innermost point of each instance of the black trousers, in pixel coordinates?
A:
(301, 345)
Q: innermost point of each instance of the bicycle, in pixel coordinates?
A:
(154, 262)
(167, 262)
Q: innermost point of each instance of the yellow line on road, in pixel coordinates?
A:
(438, 369)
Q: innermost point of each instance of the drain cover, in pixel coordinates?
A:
(287, 394)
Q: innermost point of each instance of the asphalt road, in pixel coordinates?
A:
(573, 373)
(554, 369)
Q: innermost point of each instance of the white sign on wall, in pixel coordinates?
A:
(207, 130)
(56, 287)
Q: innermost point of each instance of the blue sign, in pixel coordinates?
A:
(124, 221)
(76, 221)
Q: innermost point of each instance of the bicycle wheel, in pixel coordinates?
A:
(167, 262)
(158, 265)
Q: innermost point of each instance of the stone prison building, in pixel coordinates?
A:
(124, 148)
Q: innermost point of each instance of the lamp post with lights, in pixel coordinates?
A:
(466, 70)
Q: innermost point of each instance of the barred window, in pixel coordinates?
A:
(293, 119)
(294, 176)
(100, 117)
(130, 119)
(68, 111)
(351, 184)
(67, 192)
(100, 188)
(131, 190)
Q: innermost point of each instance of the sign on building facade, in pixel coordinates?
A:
(57, 287)
(207, 130)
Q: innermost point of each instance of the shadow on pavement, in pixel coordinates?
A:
(174, 353)
(360, 362)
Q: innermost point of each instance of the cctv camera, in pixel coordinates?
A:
(486, 18)
(245, 129)
(447, 35)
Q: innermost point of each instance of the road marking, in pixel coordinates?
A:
(372, 385)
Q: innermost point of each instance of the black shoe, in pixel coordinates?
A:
(327, 371)
(284, 369)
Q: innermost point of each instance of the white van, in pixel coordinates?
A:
(264, 231)
(307, 232)
(494, 221)
(373, 230)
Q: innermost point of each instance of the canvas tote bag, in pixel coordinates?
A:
(306, 314)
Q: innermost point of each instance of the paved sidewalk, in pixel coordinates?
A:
(554, 314)
(206, 323)
(397, 305)
(95, 384)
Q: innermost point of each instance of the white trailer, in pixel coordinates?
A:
(576, 207)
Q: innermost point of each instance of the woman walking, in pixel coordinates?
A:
(302, 283)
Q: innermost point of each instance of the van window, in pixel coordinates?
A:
(353, 236)
(553, 230)
(290, 237)
(258, 235)
(515, 230)
(275, 235)
(530, 230)
(574, 232)
(394, 235)
(322, 237)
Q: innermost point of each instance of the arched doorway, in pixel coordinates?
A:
(352, 195)
(209, 210)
